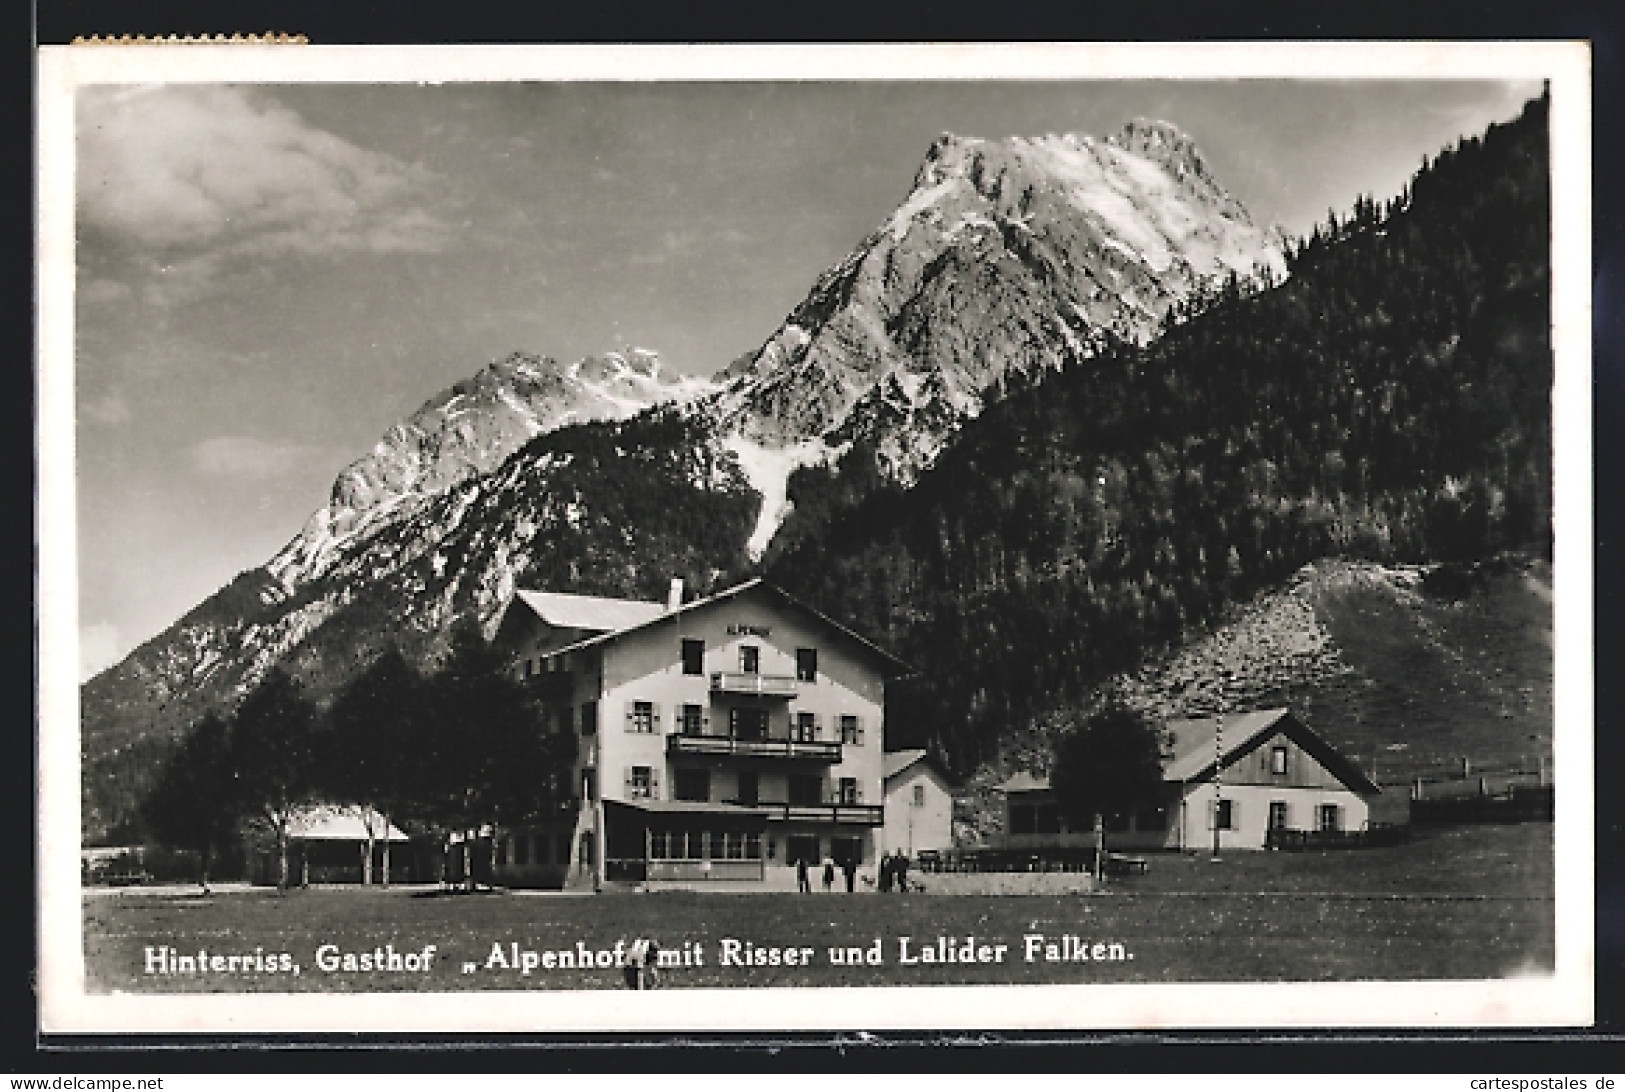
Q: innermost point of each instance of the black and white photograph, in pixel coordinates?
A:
(714, 538)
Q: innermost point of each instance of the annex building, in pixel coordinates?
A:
(716, 739)
(1246, 777)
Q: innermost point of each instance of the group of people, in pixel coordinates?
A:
(894, 872)
(849, 870)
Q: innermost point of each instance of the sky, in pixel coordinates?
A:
(269, 276)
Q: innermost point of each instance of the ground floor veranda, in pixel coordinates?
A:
(681, 841)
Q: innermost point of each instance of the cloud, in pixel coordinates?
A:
(195, 182)
(103, 290)
(110, 409)
(245, 458)
(99, 648)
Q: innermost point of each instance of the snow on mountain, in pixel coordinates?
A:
(467, 430)
(1007, 258)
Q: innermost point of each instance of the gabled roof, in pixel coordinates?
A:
(895, 666)
(1195, 742)
(1025, 782)
(899, 762)
(591, 612)
(332, 824)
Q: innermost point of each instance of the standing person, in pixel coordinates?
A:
(885, 872)
(829, 874)
(849, 869)
(640, 964)
(900, 863)
(803, 884)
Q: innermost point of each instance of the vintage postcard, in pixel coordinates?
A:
(633, 539)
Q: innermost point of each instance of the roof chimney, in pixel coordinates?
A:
(674, 598)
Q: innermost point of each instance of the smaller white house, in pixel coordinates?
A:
(1238, 781)
(919, 804)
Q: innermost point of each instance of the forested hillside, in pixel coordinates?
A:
(1389, 400)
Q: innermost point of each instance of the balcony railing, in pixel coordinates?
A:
(748, 682)
(763, 747)
(862, 815)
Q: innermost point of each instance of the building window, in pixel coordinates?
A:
(589, 718)
(693, 656)
(849, 791)
(733, 845)
(753, 846)
(640, 783)
(1277, 814)
(747, 722)
(801, 847)
(659, 845)
(1330, 817)
(502, 852)
(1277, 760)
(806, 728)
(641, 716)
(1224, 814)
(851, 729)
(919, 796)
(691, 784)
(806, 790)
(750, 659)
(693, 719)
(521, 850)
(807, 664)
(749, 787)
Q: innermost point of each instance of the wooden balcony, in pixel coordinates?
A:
(766, 747)
(857, 815)
(752, 684)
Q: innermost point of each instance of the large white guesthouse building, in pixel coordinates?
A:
(716, 739)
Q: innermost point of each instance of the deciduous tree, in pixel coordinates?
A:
(1108, 766)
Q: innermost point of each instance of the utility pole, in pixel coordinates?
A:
(1218, 780)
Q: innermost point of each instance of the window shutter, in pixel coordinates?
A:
(857, 793)
(859, 721)
(1235, 815)
(654, 783)
(654, 713)
(818, 726)
(631, 713)
(705, 721)
(1212, 814)
(629, 781)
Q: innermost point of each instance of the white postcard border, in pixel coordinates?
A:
(1564, 999)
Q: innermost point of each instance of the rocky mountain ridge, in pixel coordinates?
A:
(1006, 259)
(469, 429)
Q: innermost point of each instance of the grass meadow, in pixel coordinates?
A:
(1466, 902)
